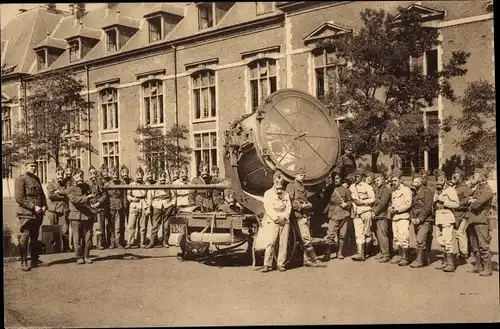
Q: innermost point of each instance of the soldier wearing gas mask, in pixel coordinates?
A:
(445, 201)
(202, 198)
(464, 192)
(58, 205)
(218, 196)
(100, 204)
(182, 196)
(116, 208)
(137, 205)
(277, 207)
(161, 204)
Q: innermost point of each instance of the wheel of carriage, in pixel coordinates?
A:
(294, 250)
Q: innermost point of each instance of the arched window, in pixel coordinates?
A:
(109, 105)
(262, 80)
(153, 102)
(204, 94)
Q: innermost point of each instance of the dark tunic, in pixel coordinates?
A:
(79, 205)
(58, 201)
(382, 201)
(346, 165)
(422, 204)
(298, 196)
(339, 195)
(116, 197)
(202, 198)
(479, 210)
(29, 193)
(464, 192)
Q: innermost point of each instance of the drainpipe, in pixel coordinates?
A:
(88, 114)
(176, 101)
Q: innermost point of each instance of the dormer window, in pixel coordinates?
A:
(205, 16)
(74, 51)
(155, 30)
(41, 56)
(112, 40)
(264, 7)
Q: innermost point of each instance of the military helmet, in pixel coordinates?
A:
(139, 171)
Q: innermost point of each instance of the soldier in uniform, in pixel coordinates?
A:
(421, 218)
(68, 177)
(425, 177)
(182, 196)
(32, 204)
(381, 217)
(116, 208)
(105, 176)
(137, 203)
(58, 205)
(82, 216)
(363, 198)
(202, 198)
(464, 192)
(479, 224)
(347, 162)
(101, 201)
(217, 196)
(339, 213)
(125, 180)
(277, 206)
(229, 205)
(445, 202)
(401, 199)
(161, 204)
(300, 216)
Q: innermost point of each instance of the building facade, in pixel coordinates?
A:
(206, 64)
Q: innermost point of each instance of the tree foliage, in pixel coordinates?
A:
(55, 114)
(163, 150)
(476, 123)
(381, 93)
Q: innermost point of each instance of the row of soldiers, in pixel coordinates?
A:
(458, 210)
(76, 204)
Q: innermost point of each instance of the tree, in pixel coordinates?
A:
(381, 94)
(162, 150)
(54, 115)
(476, 123)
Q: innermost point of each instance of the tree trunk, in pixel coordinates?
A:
(374, 162)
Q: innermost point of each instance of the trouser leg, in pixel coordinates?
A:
(305, 235)
(445, 237)
(118, 226)
(110, 228)
(483, 241)
(87, 226)
(135, 214)
(367, 226)
(461, 236)
(34, 229)
(143, 223)
(359, 230)
(77, 238)
(383, 236)
(156, 219)
(402, 233)
(343, 224)
(283, 244)
(166, 225)
(53, 218)
(274, 231)
(422, 235)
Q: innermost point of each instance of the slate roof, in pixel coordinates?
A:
(20, 38)
(25, 37)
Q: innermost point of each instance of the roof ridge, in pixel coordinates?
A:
(21, 63)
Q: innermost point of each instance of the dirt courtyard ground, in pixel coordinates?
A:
(157, 289)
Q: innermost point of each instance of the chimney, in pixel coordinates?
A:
(22, 10)
(77, 10)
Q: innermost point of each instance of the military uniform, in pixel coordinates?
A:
(346, 165)
(217, 196)
(445, 201)
(162, 205)
(102, 212)
(58, 208)
(29, 194)
(421, 212)
(479, 227)
(401, 200)
(362, 193)
(137, 215)
(82, 218)
(300, 216)
(201, 198)
(382, 219)
(181, 196)
(116, 209)
(338, 217)
(461, 224)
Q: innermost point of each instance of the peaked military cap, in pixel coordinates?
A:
(439, 173)
(459, 171)
(77, 171)
(418, 175)
(277, 174)
(378, 175)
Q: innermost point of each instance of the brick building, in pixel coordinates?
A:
(206, 64)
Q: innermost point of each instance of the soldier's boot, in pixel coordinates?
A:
(450, 264)
(340, 250)
(397, 257)
(314, 258)
(360, 255)
(404, 257)
(419, 261)
(478, 267)
(442, 265)
(99, 242)
(65, 243)
(35, 252)
(328, 251)
(152, 242)
(486, 268)
(143, 241)
(23, 250)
